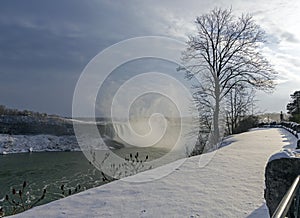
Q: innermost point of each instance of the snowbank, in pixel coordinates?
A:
(281, 170)
(231, 184)
(289, 148)
(36, 143)
(282, 154)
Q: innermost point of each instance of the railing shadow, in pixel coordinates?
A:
(261, 212)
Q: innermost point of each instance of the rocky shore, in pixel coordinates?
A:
(37, 143)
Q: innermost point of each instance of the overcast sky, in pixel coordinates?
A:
(45, 45)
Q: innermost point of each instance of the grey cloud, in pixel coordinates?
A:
(289, 37)
(44, 45)
(290, 59)
(47, 44)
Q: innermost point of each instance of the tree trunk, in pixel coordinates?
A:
(216, 130)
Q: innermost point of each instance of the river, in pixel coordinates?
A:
(73, 171)
(48, 170)
(51, 170)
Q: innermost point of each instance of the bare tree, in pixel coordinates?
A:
(238, 104)
(225, 53)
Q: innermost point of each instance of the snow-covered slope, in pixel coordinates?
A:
(36, 143)
(230, 185)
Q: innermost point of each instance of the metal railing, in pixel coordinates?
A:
(289, 205)
(292, 127)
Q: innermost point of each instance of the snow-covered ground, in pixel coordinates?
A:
(289, 150)
(36, 143)
(231, 184)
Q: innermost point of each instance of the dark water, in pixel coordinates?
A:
(47, 170)
(51, 170)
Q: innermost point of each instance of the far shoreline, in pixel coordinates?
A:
(37, 143)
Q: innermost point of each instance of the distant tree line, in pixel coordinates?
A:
(15, 112)
(293, 107)
(17, 122)
(239, 106)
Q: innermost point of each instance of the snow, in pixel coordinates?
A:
(226, 183)
(36, 143)
(289, 148)
(282, 154)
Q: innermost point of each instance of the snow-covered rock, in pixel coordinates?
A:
(289, 149)
(280, 174)
(281, 154)
(281, 170)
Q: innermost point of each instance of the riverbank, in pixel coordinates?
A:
(37, 143)
(231, 184)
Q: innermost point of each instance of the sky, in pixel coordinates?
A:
(45, 45)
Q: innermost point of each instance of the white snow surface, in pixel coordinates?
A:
(36, 143)
(231, 184)
(289, 149)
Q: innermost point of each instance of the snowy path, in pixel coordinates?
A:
(230, 185)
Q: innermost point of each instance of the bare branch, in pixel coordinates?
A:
(224, 54)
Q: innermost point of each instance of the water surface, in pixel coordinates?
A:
(48, 170)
